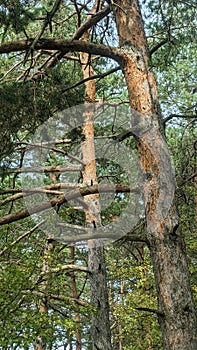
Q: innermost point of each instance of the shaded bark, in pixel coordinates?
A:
(177, 318)
(77, 308)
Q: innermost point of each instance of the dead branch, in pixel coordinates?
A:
(47, 22)
(51, 187)
(65, 268)
(44, 143)
(46, 169)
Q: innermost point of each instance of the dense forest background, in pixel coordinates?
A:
(45, 294)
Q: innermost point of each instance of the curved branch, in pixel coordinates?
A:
(156, 47)
(91, 21)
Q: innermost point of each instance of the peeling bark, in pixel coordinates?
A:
(177, 313)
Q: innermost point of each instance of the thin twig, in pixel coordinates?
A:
(47, 22)
(97, 76)
(21, 237)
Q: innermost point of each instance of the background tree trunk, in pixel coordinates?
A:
(43, 307)
(100, 327)
(75, 296)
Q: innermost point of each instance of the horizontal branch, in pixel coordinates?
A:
(171, 116)
(147, 309)
(136, 234)
(45, 143)
(46, 169)
(75, 194)
(57, 186)
(100, 233)
(63, 45)
(56, 297)
(65, 268)
(20, 195)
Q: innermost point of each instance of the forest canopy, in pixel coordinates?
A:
(90, 93)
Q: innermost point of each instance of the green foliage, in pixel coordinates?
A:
(22, 320)
(30, 93)
(25, 106)
(182, 143)
(174, 63)
(15, 15)
(132, 287)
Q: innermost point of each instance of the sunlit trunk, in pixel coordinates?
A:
(176, 311)
(100, 326)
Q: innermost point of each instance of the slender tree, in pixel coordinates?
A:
(100, 328)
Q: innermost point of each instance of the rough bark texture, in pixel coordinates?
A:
(177, 313)
(100, 325)
(62, 45)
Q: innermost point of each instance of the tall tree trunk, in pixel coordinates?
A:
(48, 250)
(75, 296)
(100, 326)
(176, 308)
